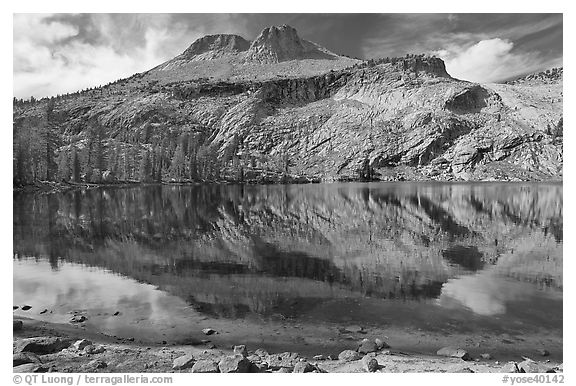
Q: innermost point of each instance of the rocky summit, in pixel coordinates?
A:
(283, 109)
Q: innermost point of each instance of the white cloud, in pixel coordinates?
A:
(46, 64)
(488, 60)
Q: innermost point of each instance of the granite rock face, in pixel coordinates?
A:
(286, 104)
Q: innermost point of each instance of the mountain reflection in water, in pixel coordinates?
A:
(233, 251)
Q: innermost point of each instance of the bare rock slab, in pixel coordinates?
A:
(42, 345)
(23, 358)
(234, 364)
(205, 366)
(30, 368)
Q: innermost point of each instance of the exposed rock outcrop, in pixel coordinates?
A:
(215, 46)
(284, 109)
(279, 44)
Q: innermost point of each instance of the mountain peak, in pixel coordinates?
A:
(281, 43)
(215, 46)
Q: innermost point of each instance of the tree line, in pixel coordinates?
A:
(44, 151)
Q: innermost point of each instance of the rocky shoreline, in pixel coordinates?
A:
(49, 347)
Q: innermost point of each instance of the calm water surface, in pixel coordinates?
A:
(293, 264)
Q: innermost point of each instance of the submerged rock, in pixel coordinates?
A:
(354, 329)
(367, 346)
(486, 356)
(454, 353)
(183, 362)
(17, 325)
(78, 319)
(543, 352)
(380, 344)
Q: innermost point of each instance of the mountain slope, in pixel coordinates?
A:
(282, 108)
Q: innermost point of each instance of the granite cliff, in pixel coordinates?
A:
(281, 108)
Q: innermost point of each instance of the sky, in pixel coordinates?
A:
(59, 53)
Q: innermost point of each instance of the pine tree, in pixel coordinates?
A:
(63, 160)
(177, 166)
(51, 142)
(145, 168)
(76, 169)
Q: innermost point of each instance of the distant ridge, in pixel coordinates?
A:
(551, 75)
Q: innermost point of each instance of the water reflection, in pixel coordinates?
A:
(232, 251)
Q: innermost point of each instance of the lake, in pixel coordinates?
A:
(297, 267)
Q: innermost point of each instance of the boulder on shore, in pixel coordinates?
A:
(349, 356)
(42, 345)
(380, 344)
(234, 364)
(183, 362)
(81, 344)
(92, 349)
(23, 358)
(285, 359)
(367, 346)
(370, 364)
(303, 367)
(205, 366)
(510, 367)
(240, 350)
